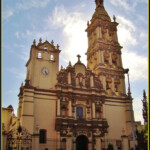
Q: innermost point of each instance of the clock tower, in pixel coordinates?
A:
(43, 64)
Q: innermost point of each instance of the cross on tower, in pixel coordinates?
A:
(78, 58)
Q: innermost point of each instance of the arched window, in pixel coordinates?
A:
(108, 85)
(51, 57)
(116, 86)
(106, 58)
(79, 111)
(42, 138)
(114, 59)
(39, 55)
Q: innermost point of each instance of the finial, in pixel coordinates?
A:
(22, 84)
(34, 42)
(88, 23)
(99, 3)
(40, 40)
(57, 46)
(52, 42)
(78, 58)
(114, 18)
(144, 94)
(69, 63)
(61, 67)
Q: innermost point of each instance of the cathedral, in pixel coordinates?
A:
(80, 107)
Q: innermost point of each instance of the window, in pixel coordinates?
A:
(51, 57)
(39, 55)
(106, 58)
(79, 111)
(42, 138)
(114, 59)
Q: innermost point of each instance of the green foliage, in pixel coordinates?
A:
(145, 104)
(110, 147)
(142, 139)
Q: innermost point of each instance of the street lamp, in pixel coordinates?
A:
(129, 95)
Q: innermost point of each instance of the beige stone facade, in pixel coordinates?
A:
(78, 107)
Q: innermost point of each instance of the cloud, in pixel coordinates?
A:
(73, 25)
(24, 5)
(8, 13)
(138, 65)
(17, 73)
(126, 32)
(127, 4)
(137, 107)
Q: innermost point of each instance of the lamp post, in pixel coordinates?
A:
(129, 95)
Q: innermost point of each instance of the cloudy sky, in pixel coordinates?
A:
(65, 21)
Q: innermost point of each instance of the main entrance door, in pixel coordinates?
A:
(81, 143)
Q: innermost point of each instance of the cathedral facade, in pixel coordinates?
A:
(78, 107)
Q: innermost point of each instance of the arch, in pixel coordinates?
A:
(82, 143)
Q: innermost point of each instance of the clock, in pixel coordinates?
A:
(45, 71)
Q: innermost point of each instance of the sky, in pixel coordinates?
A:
(64, 22)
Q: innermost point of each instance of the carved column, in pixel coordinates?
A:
(69, 78)
(93, 110)
(70, 108)
(98, 143)
(69, 143)
(110, 59)
(107, 34)
(91, 81)
(100, 33)
(102, 56)
(113, 85)
(58, 107)
(123, 90)
(115, 37)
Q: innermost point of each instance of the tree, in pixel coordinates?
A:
(144, 101)
(142, 136)
(110, 147)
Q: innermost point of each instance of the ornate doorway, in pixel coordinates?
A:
(82, 143)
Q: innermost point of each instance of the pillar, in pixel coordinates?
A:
(69, 143)
(107, 34)
(91, 82)
(93, 110)
(113, 85)
(100, 33)
(98, 143)
(110, 59)
(58, 107)
(70, 108)
(115, 36)
(125, 143)
(58, 141)
(35, 142)
(69, 78)
(102, 56)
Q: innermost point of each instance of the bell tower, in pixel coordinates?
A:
(104, 51)
(43, 65)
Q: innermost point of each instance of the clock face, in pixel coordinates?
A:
(45, 71)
